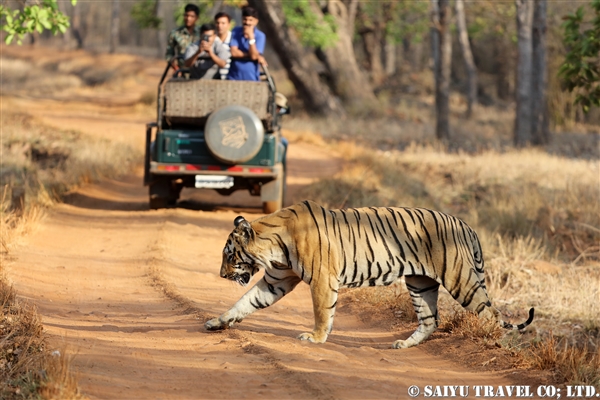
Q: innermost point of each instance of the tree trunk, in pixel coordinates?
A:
(76, 25)
(523, 118)
(215, 8)
(315, 94)
(371, 32)
(64, 7)
(501, 67)
(442, 42)
(161, 33)
(114, 27)
(348, 81)
(372, 46)
(540, 129)
(465, 47)
(389, 49)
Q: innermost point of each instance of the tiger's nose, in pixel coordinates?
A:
(222, 273)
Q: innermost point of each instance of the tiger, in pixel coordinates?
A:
(355, 247)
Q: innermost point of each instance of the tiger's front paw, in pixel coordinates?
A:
(403, 344)
(311, 337)
(216, 324)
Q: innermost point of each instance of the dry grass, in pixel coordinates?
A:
(393, 299)
(28, 368)
(48, 162)
(574, 364)
(46, 71)
(468, 324)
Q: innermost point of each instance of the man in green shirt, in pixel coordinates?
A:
(180, 38)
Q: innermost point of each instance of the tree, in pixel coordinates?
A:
(523, 118)
(115, 21)
(37, 17)
(372, 32)
(317, 97)
(465, 47)
(441, 42)
(347, 80)
(540, 131)
(580, 71)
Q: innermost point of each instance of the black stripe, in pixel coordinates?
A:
(417, 290)
(357, 217)
(398, 242)
(267, 224)
(371, 224)
(379, 219)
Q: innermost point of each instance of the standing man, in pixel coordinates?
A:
(249, 43)
(223, 24)
(208, 56)
(180, 38)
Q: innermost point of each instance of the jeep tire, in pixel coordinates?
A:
(163, 194)
(272, 206)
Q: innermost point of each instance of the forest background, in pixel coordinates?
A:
(356, 57)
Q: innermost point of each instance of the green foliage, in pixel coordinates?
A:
(40, 16)
(403, 19)
(144, 14)
(205, 8)
(312, 30)
(580, 71)
(491, 17)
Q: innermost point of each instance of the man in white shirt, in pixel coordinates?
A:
(206, 57)
(223, 25)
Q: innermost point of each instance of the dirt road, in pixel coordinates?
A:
(127, 291)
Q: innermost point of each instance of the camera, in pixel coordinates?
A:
(205, 38)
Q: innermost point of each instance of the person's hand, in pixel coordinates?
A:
(248, 32)
(262, 61)
(205, 46)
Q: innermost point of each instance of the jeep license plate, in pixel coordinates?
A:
(214, 182)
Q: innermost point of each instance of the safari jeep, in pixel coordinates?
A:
(215, 134)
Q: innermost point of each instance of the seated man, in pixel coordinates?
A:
(223, 23)
(180, 38)
(249, 43)
(206, 57)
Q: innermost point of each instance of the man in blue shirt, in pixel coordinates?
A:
(249, 43)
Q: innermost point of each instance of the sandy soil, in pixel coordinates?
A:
(127, 291)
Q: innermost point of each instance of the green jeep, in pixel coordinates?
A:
(216, 134)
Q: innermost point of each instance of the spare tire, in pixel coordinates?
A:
(234, 134)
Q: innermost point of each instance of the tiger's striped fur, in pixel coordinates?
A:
(333, 249)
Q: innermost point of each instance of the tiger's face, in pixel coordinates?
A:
(238, 264)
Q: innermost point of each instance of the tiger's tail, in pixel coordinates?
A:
(506, 325)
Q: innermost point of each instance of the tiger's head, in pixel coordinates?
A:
(239, 262)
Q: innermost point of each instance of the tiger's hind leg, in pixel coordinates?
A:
(424, 294)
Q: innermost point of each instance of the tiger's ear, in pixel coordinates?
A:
(243, 229)
(237, 220)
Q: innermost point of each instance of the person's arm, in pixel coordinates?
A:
(253, 52)
(170, 52)
(191, 55)
(236, 52)
(219, 57)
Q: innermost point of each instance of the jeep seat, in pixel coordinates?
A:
(194, 100)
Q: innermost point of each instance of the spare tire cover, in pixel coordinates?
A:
(234, 134)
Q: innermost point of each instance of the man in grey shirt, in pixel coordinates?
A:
(206, 57)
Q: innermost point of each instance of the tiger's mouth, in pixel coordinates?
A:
(241, 279)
